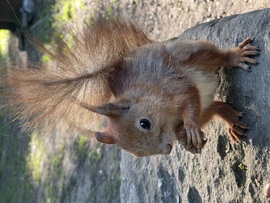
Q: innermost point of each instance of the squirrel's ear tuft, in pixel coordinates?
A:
(115, 109)
(104, 137)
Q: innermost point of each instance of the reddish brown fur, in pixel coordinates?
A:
(152, 94)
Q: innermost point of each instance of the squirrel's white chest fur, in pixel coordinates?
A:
(206, 84)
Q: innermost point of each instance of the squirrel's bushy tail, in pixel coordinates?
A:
(42, 97)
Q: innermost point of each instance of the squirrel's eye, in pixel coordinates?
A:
(145, 124)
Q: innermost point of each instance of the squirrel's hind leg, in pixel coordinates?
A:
(229, 116)
(209, 57)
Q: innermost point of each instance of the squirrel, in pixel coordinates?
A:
(144, 94)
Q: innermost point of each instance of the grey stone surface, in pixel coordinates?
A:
(224, 172)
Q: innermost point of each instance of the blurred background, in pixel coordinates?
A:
(35, 168)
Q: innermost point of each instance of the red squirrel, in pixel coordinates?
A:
(149, 93)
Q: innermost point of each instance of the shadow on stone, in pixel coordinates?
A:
(168, 187)
(194, 196)
(221, 146)
(239, 174)
(181, 175)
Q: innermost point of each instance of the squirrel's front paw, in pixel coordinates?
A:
(191, 137)
(182, 139)
(242, 52)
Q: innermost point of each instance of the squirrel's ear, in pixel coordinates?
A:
(115, 109)
(105, 138)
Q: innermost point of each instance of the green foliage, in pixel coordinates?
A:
(54, 165)
(65, 12)
(43, 29)
(81, 148)
(56, 161)
(45, 58)
(85, 150)
(34, 158)
(95, 153)
(4, 37)
(54, 16)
